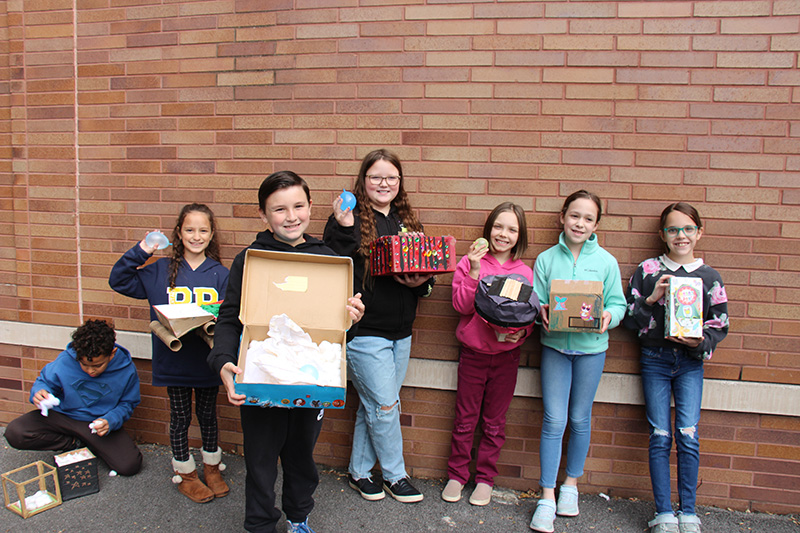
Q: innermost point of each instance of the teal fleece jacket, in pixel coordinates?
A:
(593, 264)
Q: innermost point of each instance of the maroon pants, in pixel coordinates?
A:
(32, 431)
(486, 381)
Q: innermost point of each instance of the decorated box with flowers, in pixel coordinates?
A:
(683, 312)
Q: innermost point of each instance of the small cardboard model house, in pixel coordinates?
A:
(576, 305)
(412, 253)
(683, 315)
(77, 473)
(180, 319)
(312, 290)
(31, 489)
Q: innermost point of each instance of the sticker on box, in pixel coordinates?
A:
(576, 305)
(683, 315)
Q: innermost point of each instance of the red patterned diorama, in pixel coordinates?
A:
(412, 253)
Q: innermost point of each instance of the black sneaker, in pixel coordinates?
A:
(403, 491)
(369, 489)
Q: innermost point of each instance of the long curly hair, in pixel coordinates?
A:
(366, 216)
(178, 249)
(95, 338)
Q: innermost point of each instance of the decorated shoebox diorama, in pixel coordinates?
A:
(77, 473)
(412, 253)
(311, 291)
(683, 314)
(576, 305)
(31, 489)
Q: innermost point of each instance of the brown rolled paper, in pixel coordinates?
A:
(208, 327)
(209, 339)
(165, 335)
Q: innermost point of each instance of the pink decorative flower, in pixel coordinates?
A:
(651, 266)
(718, 294)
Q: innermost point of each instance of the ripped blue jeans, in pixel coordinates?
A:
(670, 373)
(377, 367)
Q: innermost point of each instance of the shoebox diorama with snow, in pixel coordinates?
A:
(292, 350)
(412, 253)
(77, 473)
(575, 305)
(683, 316)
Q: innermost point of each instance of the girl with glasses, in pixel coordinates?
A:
(672, 367)
(378, 355)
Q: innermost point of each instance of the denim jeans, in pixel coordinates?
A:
(485, 389)
(670, 373)
(569, 383)
(377, 367)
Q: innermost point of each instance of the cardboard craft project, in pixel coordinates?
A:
(313, 291)
(77, 473)
(683, 313)
(412, 253)
(180, 319)
(576, 305)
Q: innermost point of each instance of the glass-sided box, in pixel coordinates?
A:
(576, 305)
(31, 489)
(77, 473)
(310, 289)
(683, 316)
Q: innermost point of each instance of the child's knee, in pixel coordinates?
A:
(131, 465)
(387, 410)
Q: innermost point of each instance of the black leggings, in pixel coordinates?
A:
(180, 418)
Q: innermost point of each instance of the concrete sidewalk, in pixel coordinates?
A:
(150, 502)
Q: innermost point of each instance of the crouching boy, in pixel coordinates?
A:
(96, 383)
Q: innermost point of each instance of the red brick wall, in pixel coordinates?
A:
(115, 114)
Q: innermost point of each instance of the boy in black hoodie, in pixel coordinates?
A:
(284, 202)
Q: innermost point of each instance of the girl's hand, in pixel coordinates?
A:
(605, 321)
(226, 374)
(688, 341)
(100, 426)
(659, 290)
(545, 314)
(146, 247)
(413, 280)
(475, 254)
(515, 337)
(345, 217)
(355, 307)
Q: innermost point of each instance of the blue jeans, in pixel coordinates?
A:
(377, 367)
(569, 383)
(670, 373)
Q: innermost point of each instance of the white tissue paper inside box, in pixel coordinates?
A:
(73, 457)
(289, 357)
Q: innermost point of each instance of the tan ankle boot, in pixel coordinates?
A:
(188, 482)
(212, 466)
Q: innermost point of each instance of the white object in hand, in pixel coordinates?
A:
(157, 240)
(48, 403)
(91, 426)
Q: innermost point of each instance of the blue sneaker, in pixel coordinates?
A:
(567, 501)
(298, 527)
(544, 516)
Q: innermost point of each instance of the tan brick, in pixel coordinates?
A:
(625, 42)
(531, 27)
(766, 26)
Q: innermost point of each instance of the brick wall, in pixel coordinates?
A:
(117, 112)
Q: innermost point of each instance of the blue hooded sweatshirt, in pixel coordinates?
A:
(112, 395)
(207, 283)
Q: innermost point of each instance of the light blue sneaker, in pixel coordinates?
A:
(664, 523)
(544, 516)
(567, 501)
(688, 523)
(298, 527)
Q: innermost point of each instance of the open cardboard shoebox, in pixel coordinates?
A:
(312, 290)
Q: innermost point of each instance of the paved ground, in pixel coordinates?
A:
(150, 502)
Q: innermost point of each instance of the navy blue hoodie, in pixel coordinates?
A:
(112, 395)
(186, 367)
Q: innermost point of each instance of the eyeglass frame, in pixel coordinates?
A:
(679, 229)
(390, 180)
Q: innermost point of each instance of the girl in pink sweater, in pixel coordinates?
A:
(487, 367)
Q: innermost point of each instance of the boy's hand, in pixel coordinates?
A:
(355, 307)
(40, 395)
(226, 374)
(100, 426)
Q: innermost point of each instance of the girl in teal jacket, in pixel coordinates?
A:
(572, 363)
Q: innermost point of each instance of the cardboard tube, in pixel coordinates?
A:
(165, 335)
(208, 327)
(209, 339)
